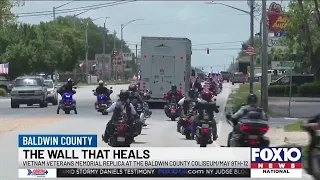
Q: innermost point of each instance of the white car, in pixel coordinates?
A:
(52, 92)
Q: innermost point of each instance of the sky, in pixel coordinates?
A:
(211, 26)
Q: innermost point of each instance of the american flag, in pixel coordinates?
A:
(4, 68)
(250, 51)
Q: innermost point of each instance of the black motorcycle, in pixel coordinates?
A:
(248, 132)
(140, 119)
(102, 102)
(146, 96)
(121, 136)
(204, 131)
(313, 157)
(185, 122)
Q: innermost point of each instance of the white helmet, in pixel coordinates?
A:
(100, 82)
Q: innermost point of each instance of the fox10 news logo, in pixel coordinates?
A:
(276, 162)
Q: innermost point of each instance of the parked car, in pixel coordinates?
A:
(29, 90)
(52, 92)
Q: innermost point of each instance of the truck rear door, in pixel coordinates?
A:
(162, 75)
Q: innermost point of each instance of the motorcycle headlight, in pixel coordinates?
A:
(38, 92)
(51, 92)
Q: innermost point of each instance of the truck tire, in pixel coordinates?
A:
(14, 105)
(43, 104)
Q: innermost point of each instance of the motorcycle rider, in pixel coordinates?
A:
(67, 88)
(101, 89)
(192, 97)
(210, 106)
(171, 95)
(252, 100)
(117, 108)
(134, 94)
(197, 85)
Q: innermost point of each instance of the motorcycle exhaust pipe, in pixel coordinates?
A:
(142, 119)
(182, 130)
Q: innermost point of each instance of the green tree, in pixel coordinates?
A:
(303, 34)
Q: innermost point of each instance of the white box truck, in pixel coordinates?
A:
(165, 61)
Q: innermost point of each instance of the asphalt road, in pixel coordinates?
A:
(161, 132)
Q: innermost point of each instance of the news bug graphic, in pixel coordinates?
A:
(37, 172)
(276, 162)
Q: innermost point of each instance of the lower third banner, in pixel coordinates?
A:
(163, 172)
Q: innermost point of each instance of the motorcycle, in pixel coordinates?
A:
(185, 122)
(67, 104)
(140, 120)
(121, 136)
(102, 103)
(248, 133)
(173, 110)
(204, 132)
(146, 96)
(313, 157)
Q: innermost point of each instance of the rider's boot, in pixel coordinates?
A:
(58, 110)
(75, 111)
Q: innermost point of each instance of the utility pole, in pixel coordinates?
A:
(265, 56)
(87, 63)
(114, 59)
(104, 52)
(55, 71)
(261, 62)
(233, 65)
(121, 52)
(136, 60)
(251, 43)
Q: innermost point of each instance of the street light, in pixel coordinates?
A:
(54, 19)
(123, 26)
(87, 51)
(251, 13)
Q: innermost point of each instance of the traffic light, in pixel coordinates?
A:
(114, 53)
(208, 50)
(244, 47)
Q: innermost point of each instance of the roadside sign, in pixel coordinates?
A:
(284, 65)
(274, 43)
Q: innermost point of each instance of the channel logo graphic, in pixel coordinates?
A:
(276, 162)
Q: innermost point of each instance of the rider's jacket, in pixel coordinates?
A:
(244, 110)
(206, 107)
(102, 90)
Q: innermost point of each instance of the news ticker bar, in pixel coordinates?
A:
(158, 172)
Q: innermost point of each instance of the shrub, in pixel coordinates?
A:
(310, 89)
(3, 92)
(282, 90)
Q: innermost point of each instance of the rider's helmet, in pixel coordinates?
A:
(252, 99)
(124, 95)
(192, 93)
(206, 95)
(101, 83)
(210, 79)
(70, 82)
(132, 87)
(173, 88)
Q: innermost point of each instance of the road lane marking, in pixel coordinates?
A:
(19, 123)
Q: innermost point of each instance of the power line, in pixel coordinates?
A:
(213, 43)
(64, 11)
(211, 49)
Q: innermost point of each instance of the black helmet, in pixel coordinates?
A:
(173, 87)
(252, 99)
(192, 93)
(124, 95)
(69, 81)
(132, 87)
